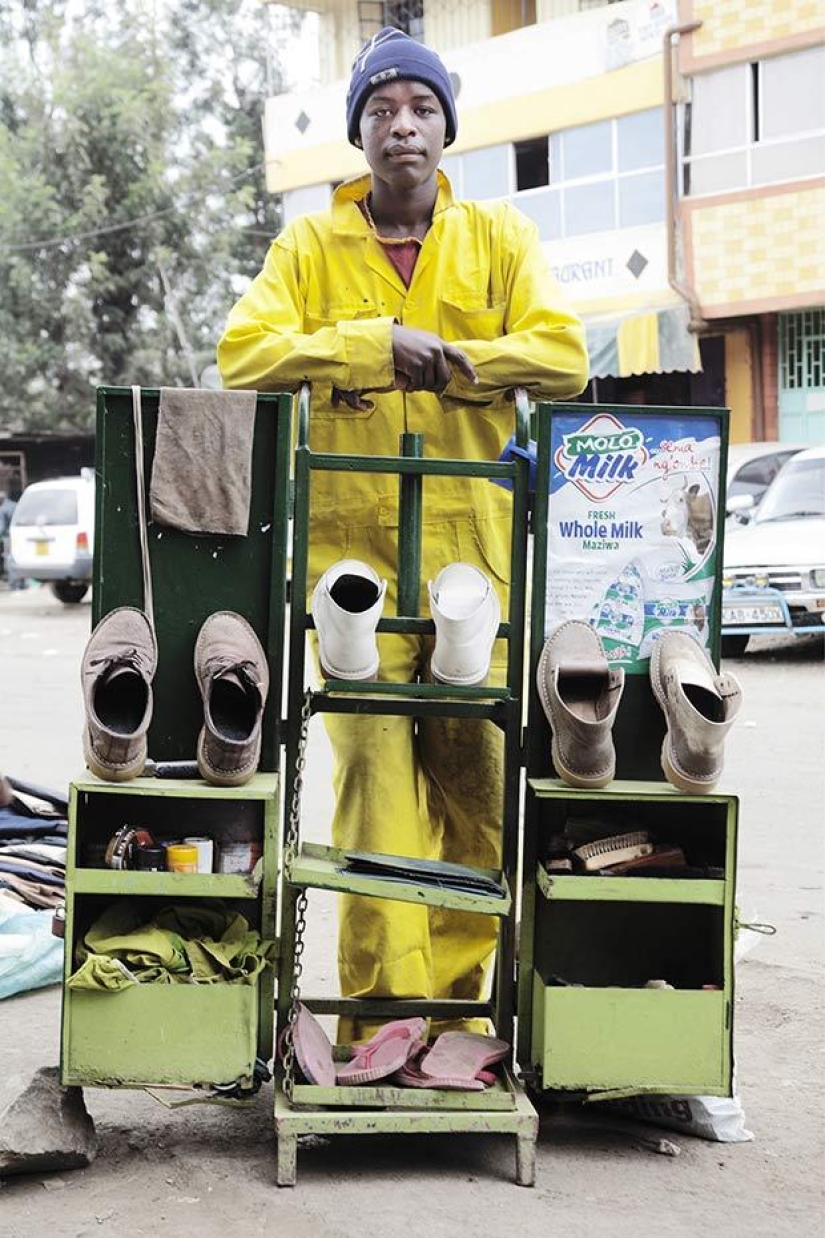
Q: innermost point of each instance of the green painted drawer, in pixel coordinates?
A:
(657, 1040)
(160, 1033)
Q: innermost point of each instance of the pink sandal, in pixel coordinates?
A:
(456, 1061)
(313, 1052)
(410, 1075)
(383, 1054)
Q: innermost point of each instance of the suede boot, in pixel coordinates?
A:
(466, 612)
(580, 695)
(346, 606)
(233, 678)
(699, 707)
(117, 670)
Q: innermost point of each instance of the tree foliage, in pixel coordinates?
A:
(132, 199)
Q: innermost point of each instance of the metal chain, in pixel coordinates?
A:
(291, 845)
(294, 993)
(290, 855)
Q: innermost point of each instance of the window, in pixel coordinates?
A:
(755, 476)
(486, 172)
(802, 350)
(756, 124)
(532, 164)
(544, 209)
(587, 150)
(640, 140)
(591, 178)
(611, 173)
(406, 15)
(47, 507)
(508, 15)
(792, 98)
(641, 199)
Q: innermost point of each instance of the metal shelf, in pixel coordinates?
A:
(122, 884)
(321, 868)
(622, 789)
(581, 888)
(259, 787)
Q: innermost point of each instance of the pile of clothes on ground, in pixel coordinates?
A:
(33, 831)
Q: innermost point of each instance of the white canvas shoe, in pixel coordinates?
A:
(466, 612)
(346, 606)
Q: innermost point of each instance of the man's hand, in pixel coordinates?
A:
(422, 363)
(423, 360)
(353, 399)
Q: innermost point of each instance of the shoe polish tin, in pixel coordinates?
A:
(182, 858)
(150, 859)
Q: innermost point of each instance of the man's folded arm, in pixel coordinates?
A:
(265, 347)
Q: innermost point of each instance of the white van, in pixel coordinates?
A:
(51, 537)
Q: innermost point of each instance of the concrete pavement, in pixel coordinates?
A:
(207, 1171)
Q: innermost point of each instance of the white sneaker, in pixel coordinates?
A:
(346, 606)
(466, 612)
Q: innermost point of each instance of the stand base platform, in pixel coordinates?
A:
(519, 1119)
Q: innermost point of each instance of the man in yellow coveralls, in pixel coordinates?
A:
(437, 308)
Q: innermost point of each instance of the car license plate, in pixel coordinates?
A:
(734, 616)
(41, 548)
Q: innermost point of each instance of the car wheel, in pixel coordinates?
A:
(69, 594)
(734, 646)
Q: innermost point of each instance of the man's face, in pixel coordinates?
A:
(402, 133)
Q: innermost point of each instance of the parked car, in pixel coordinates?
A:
(51, 537)
(774, 572)
(751, 469)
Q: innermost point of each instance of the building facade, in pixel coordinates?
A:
(672, 155)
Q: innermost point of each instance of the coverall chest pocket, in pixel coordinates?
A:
(328, 314)
(470, 314)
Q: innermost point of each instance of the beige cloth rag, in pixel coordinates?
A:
(202, 470)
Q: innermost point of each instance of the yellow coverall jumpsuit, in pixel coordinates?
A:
(322, 311)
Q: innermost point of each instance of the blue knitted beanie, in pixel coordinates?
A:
(389, 56)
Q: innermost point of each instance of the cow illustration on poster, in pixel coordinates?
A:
(633, 519)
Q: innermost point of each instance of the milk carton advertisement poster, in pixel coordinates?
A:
(632, 531)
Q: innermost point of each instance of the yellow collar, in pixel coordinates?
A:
(347, 218)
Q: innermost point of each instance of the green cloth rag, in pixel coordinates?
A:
(181, 944)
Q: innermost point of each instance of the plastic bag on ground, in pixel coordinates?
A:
(718, 1118)
(30, 957)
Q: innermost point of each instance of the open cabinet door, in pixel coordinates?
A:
(628, 529)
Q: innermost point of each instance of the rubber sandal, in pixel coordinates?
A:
(313, 1051)
(384, 1054)
(461, 1055)
(411, 1076)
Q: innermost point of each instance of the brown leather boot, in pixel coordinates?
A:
(233, 678)
(699, 707)
(580, 695)
(116, 673)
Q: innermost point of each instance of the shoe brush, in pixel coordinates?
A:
(614, 850)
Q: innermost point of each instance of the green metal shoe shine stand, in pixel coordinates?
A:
(180, 1035)
(301, 1108)
(588, 1026)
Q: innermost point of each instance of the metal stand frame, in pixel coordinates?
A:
(303, 1109)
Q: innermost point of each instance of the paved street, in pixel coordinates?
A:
(210, 1171)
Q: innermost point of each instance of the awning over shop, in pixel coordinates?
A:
(654, 342)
